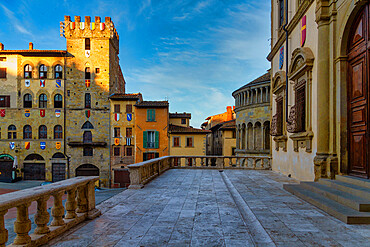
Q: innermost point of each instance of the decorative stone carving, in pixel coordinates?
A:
(302, 140)
(274, 127)
(292, 121)
(280, 142)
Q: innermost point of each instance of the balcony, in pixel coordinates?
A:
(217, 201)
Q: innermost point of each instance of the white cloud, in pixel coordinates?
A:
(15, 21)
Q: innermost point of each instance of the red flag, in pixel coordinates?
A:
(2, 112)
(303, 30)
(42, 112)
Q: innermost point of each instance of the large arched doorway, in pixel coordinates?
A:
(6, 167)
(87, 170)
(58, 167)
(34, 167)
(358, 95)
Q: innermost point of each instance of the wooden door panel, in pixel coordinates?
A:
(359, 153)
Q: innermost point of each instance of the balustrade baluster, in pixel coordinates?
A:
(231, 162)
(3, 231)
(262, 164)
(195, 161)
(22, 225)
(81, 199)
(254, 163)
(202, 161)
(71, 204)
(57, 210)
(42, 216)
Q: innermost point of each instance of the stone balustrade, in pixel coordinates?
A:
(79, 206)
(142, 173)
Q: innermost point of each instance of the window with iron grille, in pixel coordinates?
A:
(300, 104)
(2, 73)
(128, 108)
(4, 101)
(88, 151)
(43, 133)
(43, 101)
(117, 108)
(280, 115)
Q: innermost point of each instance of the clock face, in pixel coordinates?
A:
(87, 53)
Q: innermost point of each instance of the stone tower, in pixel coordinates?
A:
(92, 74)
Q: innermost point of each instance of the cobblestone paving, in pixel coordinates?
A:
(195, 208)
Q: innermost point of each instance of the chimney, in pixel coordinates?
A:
(30, 46)
(1, 46)
(229, 113)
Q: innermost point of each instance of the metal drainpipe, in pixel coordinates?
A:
(286, 60)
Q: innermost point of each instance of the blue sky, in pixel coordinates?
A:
(193, 53)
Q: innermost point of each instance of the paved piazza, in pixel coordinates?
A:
(199, 208)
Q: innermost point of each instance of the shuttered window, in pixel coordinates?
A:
(117, 151)
(128, 108)
(176, 141)
(117, 108)
(301, 108)
(4, 101)
(150, 115)
(2, 73)
(151, 139)
(117, 132)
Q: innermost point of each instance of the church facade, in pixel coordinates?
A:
(320, 88)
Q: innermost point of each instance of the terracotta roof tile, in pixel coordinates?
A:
(181, 129)
(152, 104)
(180, 115)
(126, 96)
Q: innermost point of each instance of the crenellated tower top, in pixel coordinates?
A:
(87, 29)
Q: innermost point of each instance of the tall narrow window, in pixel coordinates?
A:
(43, 132)
(189, 141)
(301, 108)
(58, 72)
(117, 108)
(4, 101)
(128, 108)
(12, 132)
(43, 101)
(117, 151)
(87, 137)
(117, 132)
(58, 132)
(2, 73)
(27, 101)
(43, 71)
(58, 101)
(176, 141)
(27, 132)
(87, 73)
(150, 115)
(280, 115)
(281, 12)
(87, 100)
(128, 132)
(87, 44)
(151, 139)
(128, 151)
(28, 71)
(88, 151)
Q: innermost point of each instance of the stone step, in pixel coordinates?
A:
(347, 199)
(354, 180)
(353, 189)
(339, 211)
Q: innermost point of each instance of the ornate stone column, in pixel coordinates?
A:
(22, 225)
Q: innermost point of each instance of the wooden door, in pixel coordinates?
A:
(34, 171)
(358, 97)
(59, 171)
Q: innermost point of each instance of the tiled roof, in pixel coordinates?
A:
(34, 52)
(126, 96)
(181, 129)
(225, 125)
(180, 115)
(260, 80)
(152, 104)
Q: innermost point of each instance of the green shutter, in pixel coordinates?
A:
(156, 139)
(148, 115)
(145, 139)
(153, 115)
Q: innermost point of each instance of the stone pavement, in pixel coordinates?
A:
(196, 208)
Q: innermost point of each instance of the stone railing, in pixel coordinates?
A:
(79, 206)
(142, 173)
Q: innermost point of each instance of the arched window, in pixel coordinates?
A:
(250, 136)
(58, 72)
(43, 132)
(267, 135)
(87, 137)
(43, 101)
(12, 132)
(28, 71)
(258, 141)
(27, 132)
(87, 125)
(87, 100)
(87, 73)
(43, 71)
(27, 101)
(58, 101)
(58, 132)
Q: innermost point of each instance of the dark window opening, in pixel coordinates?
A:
(88, 151)
(58, 132)
(97, 70)
(128, 108)
(117, 132)
(183, 120)
(58, 101)
(176, 141)
(128, 151)
(27, 71)
(301, 108)
(4, 101)
(117, 108)
(43, 71)
(43, 133)
(280, 115)
(128, 132)
(87, 73)
(27, 101)
(189, 141)
(27, 132)
(87, 100)
(87, 137)
(43, 101)
(58, 73)
(117, 151)
(87, 125)
(87, 44)
(12, 132)
(2, 73)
